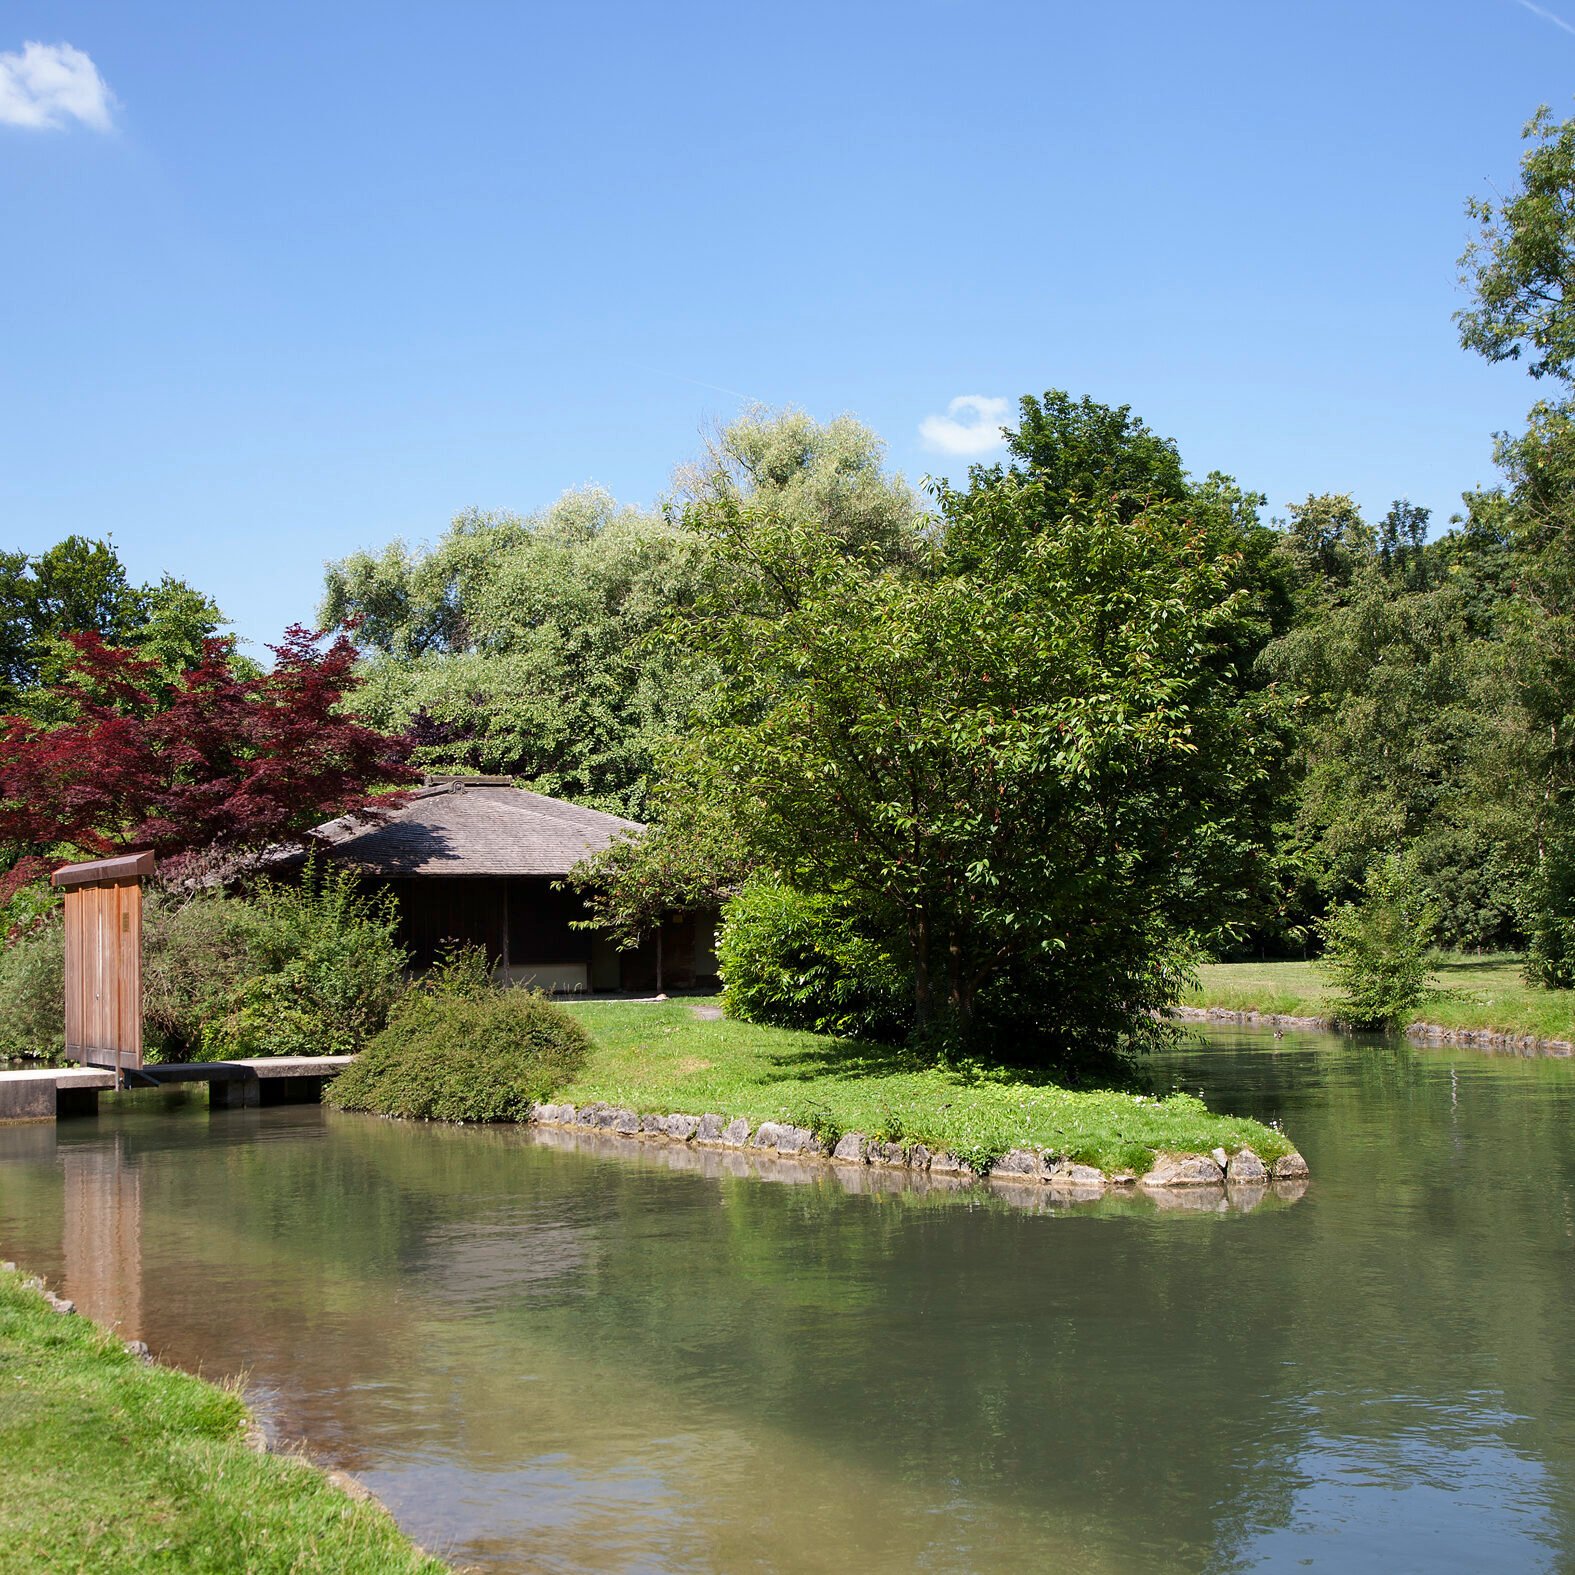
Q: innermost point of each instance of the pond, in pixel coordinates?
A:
(552, 1360)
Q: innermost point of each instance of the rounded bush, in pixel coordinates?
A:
(464, 1057)
(796, 961)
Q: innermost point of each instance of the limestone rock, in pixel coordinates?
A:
(710, 1129)
(948, 1164)
(1290, 1167)
(1245, 1168)
(767, 1134)
(1184, 1170)
(850, 1148)
(1220, 1157)
(919, 1157)
(796, 1140)
(1020, 1163)
(1068, 1173)
(588, 1114)
(656, 1124)
(736, 1133)
(624, 1121)
(886, 1154)
(682, 1127)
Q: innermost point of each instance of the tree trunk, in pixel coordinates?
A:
(923, 1002)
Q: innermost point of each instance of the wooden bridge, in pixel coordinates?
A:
(47, 1093)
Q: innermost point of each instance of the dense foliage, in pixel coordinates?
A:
(463, 1050)
(211, 759)
(308, 969)
(33, 993)
(530, 647)
(79, 586)
(1376, 950)
(325, 970)
(801, 962)
(1021, 757)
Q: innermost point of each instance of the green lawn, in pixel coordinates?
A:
(110, 1464)
(1470, 992)
(659, 1059)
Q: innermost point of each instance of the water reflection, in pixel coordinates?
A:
(555, 1357)
(101, 1233)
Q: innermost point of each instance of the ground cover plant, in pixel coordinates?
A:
(115, 1465)
(661, 1059)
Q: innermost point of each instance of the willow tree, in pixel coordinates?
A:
(526, 645)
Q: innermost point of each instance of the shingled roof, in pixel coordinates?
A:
(480, 826)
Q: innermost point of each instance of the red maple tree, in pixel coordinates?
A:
(210, 761)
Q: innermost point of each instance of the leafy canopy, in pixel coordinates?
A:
(1025, 754)
(210, 759)
(529, 646)
(1522, 263)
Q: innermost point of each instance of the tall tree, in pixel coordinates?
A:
(80, 586)
(529, 646)
(1024, 755)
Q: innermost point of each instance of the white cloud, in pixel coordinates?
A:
(976, 433)
(47, 85)
(1547, 16)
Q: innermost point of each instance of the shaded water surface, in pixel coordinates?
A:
(552, 1360)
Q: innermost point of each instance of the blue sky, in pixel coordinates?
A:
(307, 277)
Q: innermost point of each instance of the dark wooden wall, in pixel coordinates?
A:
(534, 923)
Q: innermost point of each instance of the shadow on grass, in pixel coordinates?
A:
(1470, 970)
(858, 1060)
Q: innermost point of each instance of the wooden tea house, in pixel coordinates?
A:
(476, 859)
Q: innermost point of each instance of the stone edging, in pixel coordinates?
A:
(1422, 1033)
(1017, 1168)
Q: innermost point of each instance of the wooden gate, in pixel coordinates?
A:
(104, 959)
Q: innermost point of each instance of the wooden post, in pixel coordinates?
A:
(104, 959)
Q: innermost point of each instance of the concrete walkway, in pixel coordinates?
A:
(46, 1093)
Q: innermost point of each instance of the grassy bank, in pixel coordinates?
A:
(113, 1464)
(659, 1059)
(1470, 992)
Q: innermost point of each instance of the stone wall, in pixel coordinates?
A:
(1206, 1180)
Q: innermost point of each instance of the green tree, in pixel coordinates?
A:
(1521, 266)
(523, 647)
(80, 586)
(1021, 754)
(1395, 660)
(529, 646)
(1519, 269)
(1376, 950)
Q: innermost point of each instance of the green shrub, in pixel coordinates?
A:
(464, 1056)
(26, 908)
(33, 993)
(1376, 950)
(197, 954)
(327, 969)
(1549, 904)
(796, 961)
